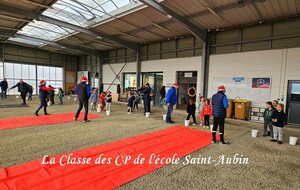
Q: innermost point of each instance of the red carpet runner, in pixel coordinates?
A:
(165, 143)
(40, 120)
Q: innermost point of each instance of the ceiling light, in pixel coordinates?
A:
(169, 16)
(99, 37)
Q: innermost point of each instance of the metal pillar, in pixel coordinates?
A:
(138, 67)
(205, 66)
(100, 70)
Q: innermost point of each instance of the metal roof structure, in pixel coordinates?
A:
(89, 26)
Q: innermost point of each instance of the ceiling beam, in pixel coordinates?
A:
(55, 44)
(195, 30)
(40, 17)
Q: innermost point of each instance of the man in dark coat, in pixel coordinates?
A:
(146, 97)
(4, 86)
(43, 91)
(83, 92)
(219, 106)
(23, 89)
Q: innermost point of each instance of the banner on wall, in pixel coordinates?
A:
(261, 82)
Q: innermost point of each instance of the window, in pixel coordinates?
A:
(14, 72)
(129, 81)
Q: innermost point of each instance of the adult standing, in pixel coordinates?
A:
(83, 94)
(146, 97)
(171, 100)
(219, 105)
(4, 86)
(23, 89)
(43, 92)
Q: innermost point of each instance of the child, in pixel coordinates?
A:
(102, 100)
(278, 120)
(93, 99)
(136, 101)
(60, 96)
(274, 106)
(206, 113)
(191, 109)
(108, 101)
(268, 119)
(130, 103)
(200, 106)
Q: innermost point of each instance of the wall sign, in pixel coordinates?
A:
(261, 82)
(188, 74)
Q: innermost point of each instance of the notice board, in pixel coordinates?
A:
(244, 87)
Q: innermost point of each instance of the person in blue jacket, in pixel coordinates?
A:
(219, 106)
(83, 92)
(171, 100)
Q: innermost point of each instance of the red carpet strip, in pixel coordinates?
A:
(40, 120)
(178, 141)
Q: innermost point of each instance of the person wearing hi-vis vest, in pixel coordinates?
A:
(219, 106)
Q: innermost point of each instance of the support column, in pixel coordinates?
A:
(138, 67)
(100, 61)
(205, 66)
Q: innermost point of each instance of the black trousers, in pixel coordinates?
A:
(193, 115)
(3, 93)
(206, 120)
(219, 122)
(23, 95)
(52, 99)
(147, 105)
(43, 104)
(85, 104)
(135, 105)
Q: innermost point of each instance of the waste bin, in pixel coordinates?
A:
(241, 109)
(230, 109)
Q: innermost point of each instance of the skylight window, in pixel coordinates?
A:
(78, 12)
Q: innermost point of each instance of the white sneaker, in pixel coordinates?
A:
(204, 127)
(194, 124)
(128, 112)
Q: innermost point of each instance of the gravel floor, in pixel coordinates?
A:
(270, 166)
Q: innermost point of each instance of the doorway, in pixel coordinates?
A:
(186, 80)
(293, 102)
(155, 81)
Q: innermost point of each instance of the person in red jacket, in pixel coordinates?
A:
(102, 100)
(43, 91)
(206, 113)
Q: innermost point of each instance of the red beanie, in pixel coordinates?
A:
(221, 87)
(175, 85)
(42, 82)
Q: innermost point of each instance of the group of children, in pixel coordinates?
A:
(204, 109)
(105, 100)
(274, 120)
(133, 102)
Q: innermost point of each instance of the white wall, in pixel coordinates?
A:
(269, 63)
(169, 67)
